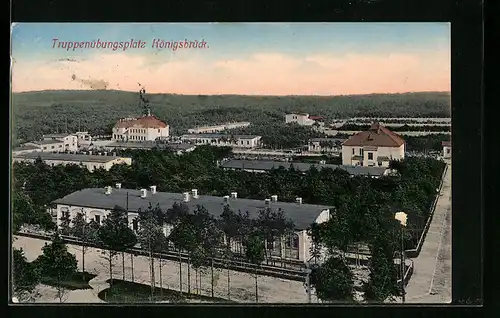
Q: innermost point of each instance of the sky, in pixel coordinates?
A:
(233, 58)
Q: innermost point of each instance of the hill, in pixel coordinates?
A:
(96, 111)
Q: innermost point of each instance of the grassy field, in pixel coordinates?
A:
(41, 112)
(128, 292)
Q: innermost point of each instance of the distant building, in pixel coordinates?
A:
(84, 139)
(97, 203)
(70, 140)
(303, 119)
(49, 145)
(146, 128)
(178, 148)
(217, 128)
(446, 149)
(327, 145)
(267, 165)
(237, 141)
(25, 149)
(375, 147)
(91, 162)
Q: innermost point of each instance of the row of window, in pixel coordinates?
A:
(219, 141)
(138, 131)
(97, 219)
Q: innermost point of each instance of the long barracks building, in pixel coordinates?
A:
(97, 203)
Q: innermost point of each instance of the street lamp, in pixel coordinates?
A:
(402, 218)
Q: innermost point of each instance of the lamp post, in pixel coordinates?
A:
(402, 218)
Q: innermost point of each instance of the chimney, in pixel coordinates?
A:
(152, 189)
(186, 196)
(234, 195)
(267, 201)
(108, 191)
(194, 192)
(226, 198)
(144, 193)
(118, 185)
(274, 198)
(298, 200)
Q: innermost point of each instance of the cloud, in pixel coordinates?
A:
(260, 74)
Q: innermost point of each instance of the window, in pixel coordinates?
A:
(97, 219)
(158, 130)
(353, 151)
(60, 146)
(135, 224)
(52, 147)
(44, 148)
(361, 151)
(270, 245)
(65, 214)
(248, 142)
(370, 156)
(448, 150)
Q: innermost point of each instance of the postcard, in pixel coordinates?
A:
(230, 163)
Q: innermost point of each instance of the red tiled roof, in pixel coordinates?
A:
(446, 143)
(143, 122)
(315, 117)
(377, 136)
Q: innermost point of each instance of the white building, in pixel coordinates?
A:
(325, 145)
(303, 119)
(217, 128)
(178, 148)
(91, 162)
(446, 149)
(96, 204)
(70, 140)
(25, 149)
(84, 139)
(50, 145)
(236, 141)
(146, 128)
(375, 147)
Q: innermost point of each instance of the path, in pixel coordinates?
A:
(431, 279)
(271, 289)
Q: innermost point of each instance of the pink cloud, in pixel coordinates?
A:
(262, 74)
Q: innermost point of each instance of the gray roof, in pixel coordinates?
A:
(303, 215)
(62, 135)
(150, 144)
(179, 146)
(131, 145)
(65, 157)
(219, 136)
(328, 139)
(47, 142)
(265, 165)
(25, 147)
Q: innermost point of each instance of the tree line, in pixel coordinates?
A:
(405, 127)
(38, 113)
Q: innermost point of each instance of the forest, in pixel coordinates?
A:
(42, 112)
(363, 209)
(355, 127)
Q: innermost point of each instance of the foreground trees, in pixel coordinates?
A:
(116, 236)
(57, 263)
(25, 277)
(333, 280)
